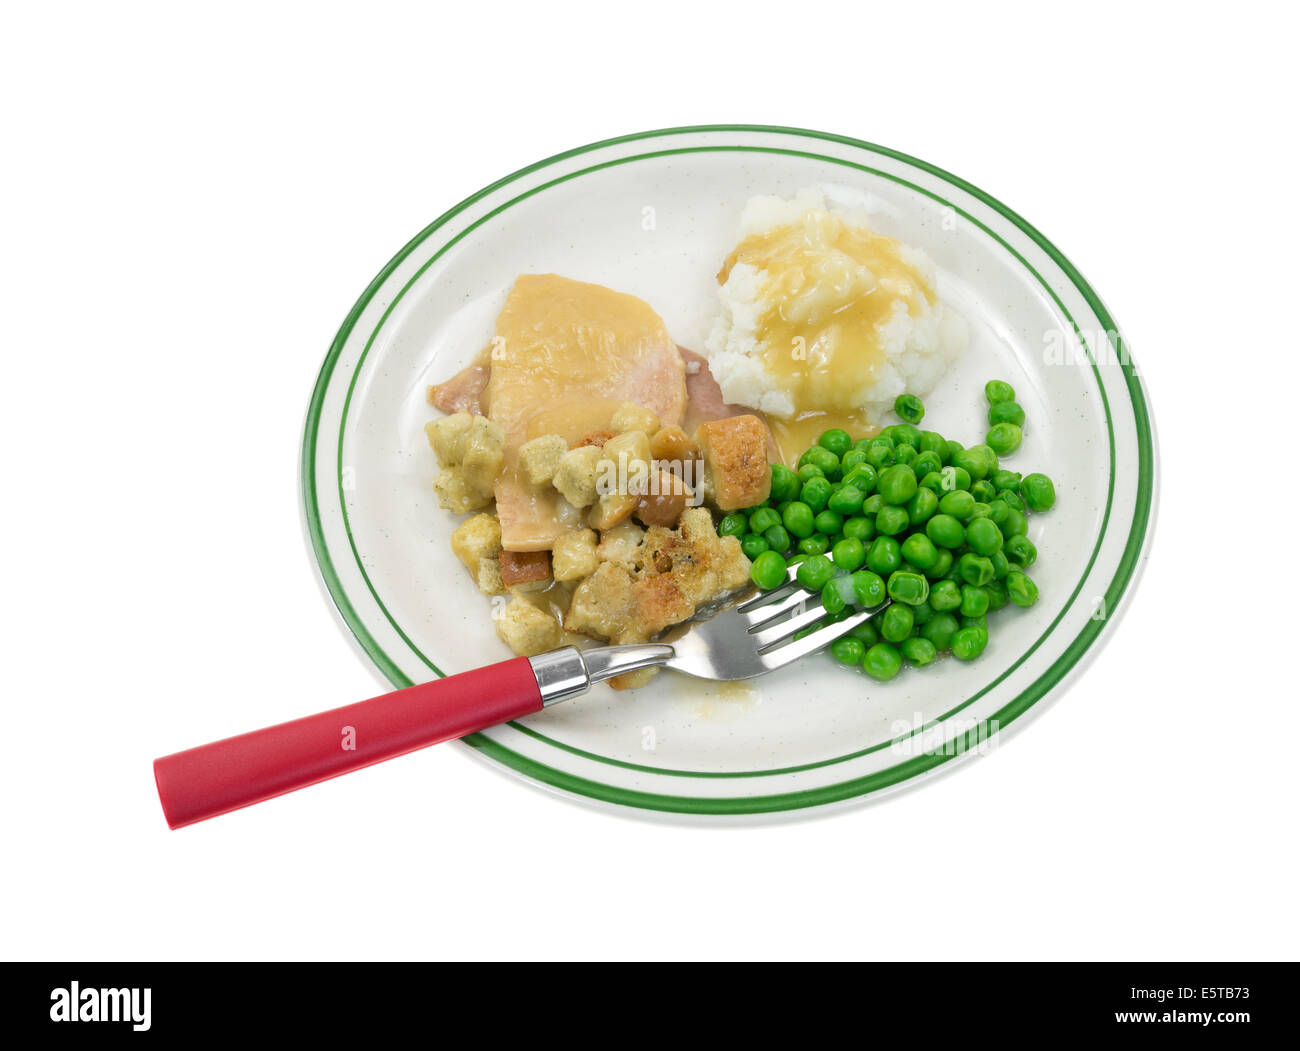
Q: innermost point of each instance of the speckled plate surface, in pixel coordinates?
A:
(654, 214)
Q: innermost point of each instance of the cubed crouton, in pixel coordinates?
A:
(526, 629)
(540, 457)
(735, 461)
(574, 555)
(485, 447)
(456, 494)
(447, 437)
(611, 509)
(475, 539)
(524, 567)
(632, 417)
(620, 543)
(575, 477)
(488, 577)
(602, 604)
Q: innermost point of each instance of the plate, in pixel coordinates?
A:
(654, 214)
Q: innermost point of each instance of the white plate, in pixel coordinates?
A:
(654, 214)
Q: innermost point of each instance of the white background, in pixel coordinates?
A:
(192, 202)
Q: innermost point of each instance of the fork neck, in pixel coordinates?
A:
(568, 672)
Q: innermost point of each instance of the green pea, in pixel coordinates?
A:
(1015, 524)
(832, 601)
(817, 544)
(862, 478)
(1038, 491)
(940, 629)
(815, 572)
(1001, 567)
(998, 512)
(944, 530)
(1004, 438)
(999, 391)
(897, 484)
(872, 504)
(926, 463)
(798, 519)
(955, 478)
(754, 545)
(785, 483)
(884, 555)
(836, 440)
(822, 457)
(1004, 479)
(909, 588)
(983, 491)
(981, 510)
(846, 500)
(933, 481)
(815, 493)
(733, 524)
(906, 434)
(981, 622)
(974, 601)
(945, 596)
(764, 519)
(892, 520)
(997, 590)
(849, 553)
(808, 471)
(919, 651)
(865, 633)
(1020, 589)
(905, 454)
(1013, 500)
(921, 613)
(1006, 412)
(848, 650)
(909, 408)
(896, 623)
(922, 506)
(851, 459)
(919, 550)
(828, 522)
(959, 504)
(1021, 551)
(953, 448)
(975, 570)
(879, 452)
(768, 571)
(868, 588)
(984, 536)
(778, 539)
(932, 442)
(969, 643)
(882, 662)
(941, 565)
(860, 527)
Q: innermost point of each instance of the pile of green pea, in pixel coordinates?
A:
(909, 515)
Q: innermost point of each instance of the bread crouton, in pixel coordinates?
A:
(540, 457)
(574, 555)
(526, 629)
(575, 477)
(735, 461)
(602, 604)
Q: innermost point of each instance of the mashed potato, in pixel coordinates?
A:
(821, 315)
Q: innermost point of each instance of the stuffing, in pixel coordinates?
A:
(574, 556)
(602, 604)
(620, 543)
(475, 539)
(526, 629)
(735, 461)
(540, 457)
(456, 494)
(575, 477)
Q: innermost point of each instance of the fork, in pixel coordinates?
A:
(745, 635)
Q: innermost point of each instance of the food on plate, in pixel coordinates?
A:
(939, 529)
(824, 322)
(616, 483)
(566, 438)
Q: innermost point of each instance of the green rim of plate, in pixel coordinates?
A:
(823, 795)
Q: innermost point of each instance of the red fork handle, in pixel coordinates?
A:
(216, 778)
